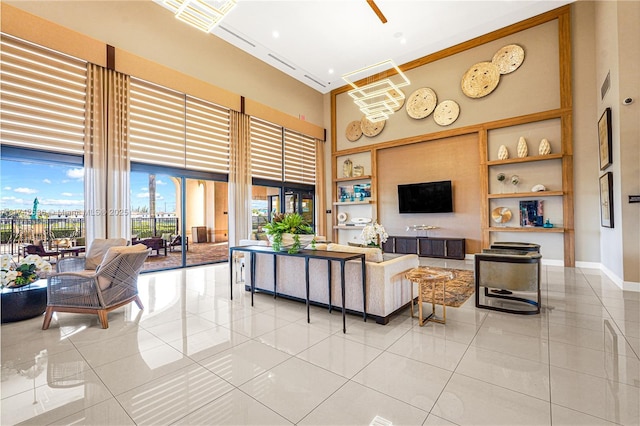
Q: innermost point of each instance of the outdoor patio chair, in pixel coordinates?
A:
(40, 250)
(177, 242)
(112, 285)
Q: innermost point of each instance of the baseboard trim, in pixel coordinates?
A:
(622, 284)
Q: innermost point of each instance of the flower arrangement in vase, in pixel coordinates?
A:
(27, 272)
(289, 231)
(374, 235)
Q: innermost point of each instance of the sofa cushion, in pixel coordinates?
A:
(371, 254)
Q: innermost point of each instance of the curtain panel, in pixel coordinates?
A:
(321, 199)
(106, 155)
(240, 179)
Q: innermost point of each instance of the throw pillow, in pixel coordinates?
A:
(371, 254)
(98, 248)
(112, 253)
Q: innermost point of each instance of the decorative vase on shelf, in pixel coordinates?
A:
(545, 147)
(503, 154)
(515, 180)
(501, 178)
(347, 168)
(523, 150)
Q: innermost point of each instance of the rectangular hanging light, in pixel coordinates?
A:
(202, 14)
(379, 99)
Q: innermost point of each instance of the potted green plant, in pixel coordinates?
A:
(289, 231)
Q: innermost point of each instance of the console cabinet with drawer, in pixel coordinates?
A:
(447, 248)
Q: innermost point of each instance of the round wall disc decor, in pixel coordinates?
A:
(421, 103)
(480, 80)
(501, 215)
(446, 112)
(397, 94)
(370, 129)
(509, 58)
(354, 131)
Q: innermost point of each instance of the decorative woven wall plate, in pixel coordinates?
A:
(509, 58)
(446, 112)
(421, 103)
(395, 94)
(480, 80)
(371, 129)
(354, 131)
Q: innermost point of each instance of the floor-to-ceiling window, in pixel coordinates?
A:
(41, 198)
(186, 210)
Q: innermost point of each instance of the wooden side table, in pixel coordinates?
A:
(428, 281)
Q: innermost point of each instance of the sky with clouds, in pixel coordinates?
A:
(61, 187)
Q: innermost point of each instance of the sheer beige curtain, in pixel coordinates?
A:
(321, 196)
(240, 179)
(106, 155)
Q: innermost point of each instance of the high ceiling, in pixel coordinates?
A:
(316, 42)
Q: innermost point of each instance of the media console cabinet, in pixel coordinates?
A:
(447, 248)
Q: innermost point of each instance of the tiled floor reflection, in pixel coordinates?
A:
(193, 356)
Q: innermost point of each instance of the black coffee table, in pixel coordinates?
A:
(24, 302)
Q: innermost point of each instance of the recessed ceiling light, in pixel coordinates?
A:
(403, 40)
(275, 34)
(330, 70)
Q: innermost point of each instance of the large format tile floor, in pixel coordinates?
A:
(193, 356)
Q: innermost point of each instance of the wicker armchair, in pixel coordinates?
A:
(112, 285)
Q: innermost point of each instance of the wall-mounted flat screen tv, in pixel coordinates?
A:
(426, 197)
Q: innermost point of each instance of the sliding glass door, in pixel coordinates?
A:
(180, 215)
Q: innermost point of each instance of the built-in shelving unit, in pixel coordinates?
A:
(553, 170)
(366, 208)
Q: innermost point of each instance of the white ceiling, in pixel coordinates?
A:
(319, 41)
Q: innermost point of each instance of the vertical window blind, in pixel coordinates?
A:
(171, 128)
(299, 158)
(266, 150)
(43, 97)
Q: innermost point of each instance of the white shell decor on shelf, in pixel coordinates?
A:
(538, 188)
(523, 150)
(342, 217)
(545, 147)
(503, 154)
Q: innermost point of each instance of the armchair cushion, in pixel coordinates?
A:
(112, 253)
(98, 249)
(371, 254)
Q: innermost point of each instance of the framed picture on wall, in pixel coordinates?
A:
(606, 200)
(604, 139)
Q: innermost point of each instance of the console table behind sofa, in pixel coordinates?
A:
(387, 290)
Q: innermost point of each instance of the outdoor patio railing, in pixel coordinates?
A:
(15, 232)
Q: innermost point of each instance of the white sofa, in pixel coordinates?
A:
(387, 288)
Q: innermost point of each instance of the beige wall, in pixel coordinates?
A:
(455, 159)
(587, 198)
(531, 88)
(618, 53)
